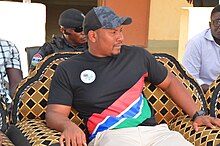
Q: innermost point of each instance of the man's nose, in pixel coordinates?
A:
(120, 37)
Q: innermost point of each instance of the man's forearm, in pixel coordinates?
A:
(57, 121)
(183, 99)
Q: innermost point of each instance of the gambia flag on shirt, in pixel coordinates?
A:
(129, 110)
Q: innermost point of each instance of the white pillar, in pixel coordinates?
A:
(191, 25)
(24, 25)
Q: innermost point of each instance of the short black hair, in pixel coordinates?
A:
(215, 9)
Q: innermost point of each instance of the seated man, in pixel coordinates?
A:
(105, 86)
(202, 53)
(72, 40)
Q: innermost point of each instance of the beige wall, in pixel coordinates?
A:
(165, 19)
(164, 25)
(137, 32)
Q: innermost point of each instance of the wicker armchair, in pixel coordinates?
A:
(29, 104)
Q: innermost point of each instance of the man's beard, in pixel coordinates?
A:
(115, 55)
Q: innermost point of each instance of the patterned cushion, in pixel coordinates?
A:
(37, 133)
(4, 117)
(203, 137)
(30, 101)
(5, 140)
(166, 109)
(213, 99)
(172, 115)
(31, 96)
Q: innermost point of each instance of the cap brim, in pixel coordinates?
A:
(126, 20)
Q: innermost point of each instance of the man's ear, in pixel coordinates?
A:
(62, 30)
(92, 36)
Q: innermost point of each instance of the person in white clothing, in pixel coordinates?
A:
(202, 53)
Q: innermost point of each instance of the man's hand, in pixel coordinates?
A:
(73, 136)
(57, 118)
(206, 121)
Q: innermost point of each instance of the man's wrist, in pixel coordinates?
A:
(198, 113)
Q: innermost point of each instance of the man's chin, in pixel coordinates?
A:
(115, 55)
(217, 36)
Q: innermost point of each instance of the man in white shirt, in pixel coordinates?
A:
(202, 53)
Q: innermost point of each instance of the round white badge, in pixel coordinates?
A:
(87, 76)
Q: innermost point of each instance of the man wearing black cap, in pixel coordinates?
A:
(72, 40)
(105, 85)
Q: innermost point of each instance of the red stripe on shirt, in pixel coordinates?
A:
(119, 105)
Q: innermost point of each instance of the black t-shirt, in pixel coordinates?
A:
(96, 86)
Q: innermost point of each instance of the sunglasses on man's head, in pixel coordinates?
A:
(78, 29)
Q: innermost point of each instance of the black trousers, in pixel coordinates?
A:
(205, 3)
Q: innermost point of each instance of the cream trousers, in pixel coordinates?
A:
(159, 135)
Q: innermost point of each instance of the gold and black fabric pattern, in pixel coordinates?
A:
(203, 137)
(30, 101)
(37, 133)
(173, 116)
(31, 97)
(213, 98)
(33, 100)
(4, 117)
(166, 109)
(5, 140)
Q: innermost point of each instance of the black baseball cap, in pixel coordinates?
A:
(103, 17)
(71, 18)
